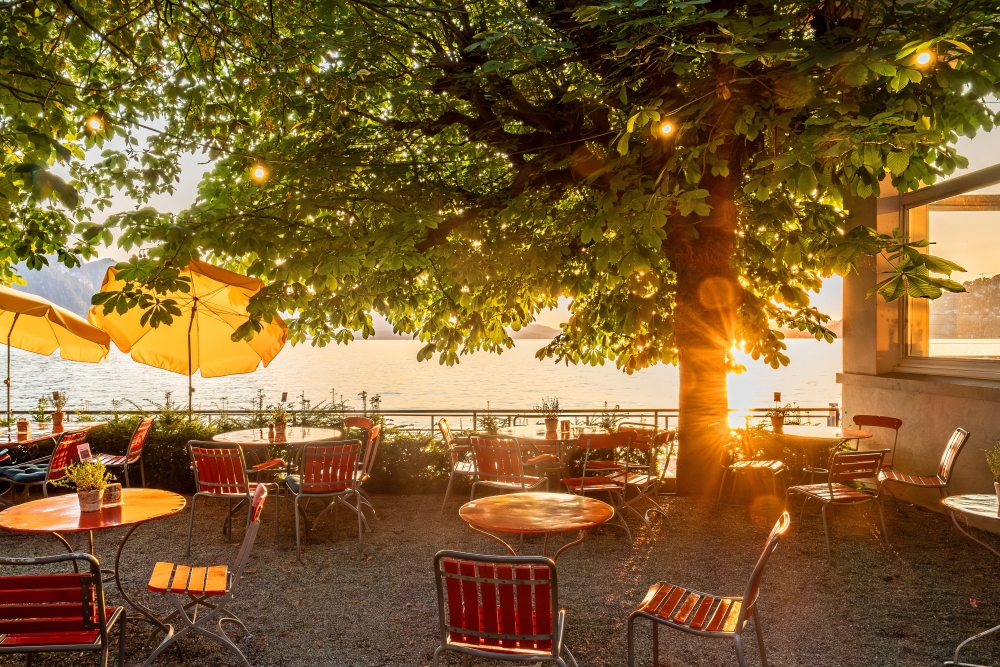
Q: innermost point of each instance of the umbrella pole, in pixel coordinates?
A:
(194, 309)
(10, 416)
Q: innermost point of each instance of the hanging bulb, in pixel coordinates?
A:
(924, 58)
(258, 172)
(666, 129)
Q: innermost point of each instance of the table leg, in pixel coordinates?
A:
(579, 540)
(985, 633)
(493, 537)
(69, 548)
(146, 615)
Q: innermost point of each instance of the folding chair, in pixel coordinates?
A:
(220, 472)
(597, 473)
(186, 587)
(845, 467)
(366, 465)
(645, 484)
(458, 459)
(499, 466)
(945, 468)
(38, 472)
(327, 470)
(134, 453)
(499, 608)
(881, 422)
(704, 614)
(738, 460)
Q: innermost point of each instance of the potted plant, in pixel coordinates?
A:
(90, 479)
(279, 418)
(549, 409)
(59, 400)
(777, 417)
(993, 461)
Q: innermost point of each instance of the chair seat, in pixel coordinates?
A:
(26, 473)
(929, 482)
(773, 466)
(690, 610)
(111, 460)
(252, 486)
(58, 637)
(591, 484)
(632, 478)
(182, 579)
(294, 484)
(604, 465)
(841, 493)
(465, 468)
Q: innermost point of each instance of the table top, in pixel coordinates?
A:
(61, 514)
(537, 432)
(975, 504)
(824, 432)
(43, 431)
(536, 513)
(294, 435)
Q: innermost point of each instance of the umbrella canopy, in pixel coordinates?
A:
(200, 338)
(31, 323)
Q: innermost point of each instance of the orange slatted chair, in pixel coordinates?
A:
(645, 483)
(43, 471)
(845, 467)
(738, 461)
(220, 472)
(706, 615)
(212, 588)
(945, 467)
(458, 458)
(499, 465)
(862, 421)
(499, 608)
(363, 423)
(367, 464)
(48, 613)
(134, 453)
(597, 473)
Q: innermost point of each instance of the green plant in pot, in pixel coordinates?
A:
(993, 461)
(59, 401)
(549, 409)
(90, 479)
(279, 418)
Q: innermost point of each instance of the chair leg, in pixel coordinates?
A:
(361, 532)
(740, 658)
(656, 644)
(277, 515)
(104, 654)
(722, 485)
(191, 523)
(142, 473)
(437, 654)
(631, 642)
(298, 539)
(122, 631)
(447, 492)
(826, 532)
(881, 518)
(760, 637)
(472, 494)
(125, 468)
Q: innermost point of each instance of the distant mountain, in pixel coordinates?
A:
(69, 288)
(535, 332)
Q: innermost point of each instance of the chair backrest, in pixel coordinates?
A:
(64, 454)
(642, 434)
(359, 422)
(139, 439)
(329, 467)
(52, 606)
(591, 442)
(948, 458)
(243, 556)
(539, 446)
(876, 420)
(218, 468)
(852, 466)
(449, 438)
(497, 603)
(371, 449)
(753, 586)
(498, 459)
(668, 441)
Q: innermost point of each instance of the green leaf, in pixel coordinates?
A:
(623, 143)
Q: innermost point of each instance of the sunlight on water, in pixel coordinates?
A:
(513, 380)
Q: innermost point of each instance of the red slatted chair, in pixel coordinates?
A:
(363, 423)
(646, 483)
(945, 468)
(738, 461)
(43, 471)
(706, 615)
(845, 467)
(864, 421)
(49, 613)
(597, 473)
(459, 462)
(328, 471)
(499, 465)
(134, 453)
(499, 608)
(212, 588)
(220, 472)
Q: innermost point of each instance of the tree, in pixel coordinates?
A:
(682, 171)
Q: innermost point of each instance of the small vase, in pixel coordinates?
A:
(996, 487)
(778, 423)
(57, 420)
(279, 432)
(90, 501)
(551, 428)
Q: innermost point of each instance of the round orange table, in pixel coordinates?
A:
(810, 438)
(61, 514)
(536, 514)
(294, 435)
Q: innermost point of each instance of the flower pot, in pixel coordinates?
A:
(551, 428)
(778, 423)
(90, 501)
(279, 432)
(996, 487)
(57, 420)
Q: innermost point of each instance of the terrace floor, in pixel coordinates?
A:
(375, 605)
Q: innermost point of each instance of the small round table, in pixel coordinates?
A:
(984, 506)
(536, 514)
(294, 435)
(811, 438)
(61, 514)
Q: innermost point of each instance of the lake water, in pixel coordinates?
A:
(512, 380)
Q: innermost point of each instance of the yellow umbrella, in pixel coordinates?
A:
(35, 325)
(201, 337)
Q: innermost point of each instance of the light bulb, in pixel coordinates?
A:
(258, 172)
(666, 129)
(923, 57)
(95, 124)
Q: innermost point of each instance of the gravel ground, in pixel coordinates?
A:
(372, 605)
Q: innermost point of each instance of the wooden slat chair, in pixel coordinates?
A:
(134, 453)
(945, 467)
(645, 484)
(367, 464)
(459, 462)
(845, 467)
(499, 466)
(738, 460)
(704, 614)
(891, 423)
(220, 472)
(500, 608)
(43, 471)
(327, 471)
(596, 473)
(212, 588)
(541, 456)
(66, 613)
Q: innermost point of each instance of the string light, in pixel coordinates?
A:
(95, 124)
(924, 58)
(666, 129)
(258, 172)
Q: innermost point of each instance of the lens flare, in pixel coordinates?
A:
(258, 172)
(666, 129)
(924, 57)
(95, 124)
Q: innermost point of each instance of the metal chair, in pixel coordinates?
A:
(646, 484)
(327, 470)
(597, 473)
(499, 608)
(704, 614)
(47, 469)
(367, 463)
(881, 422)
(134, 453)
(363, 423)
(738, 461)
(186, 587)
(220, 472)
(499, 466)
(845, 467)
(945, 467)
(458, 459)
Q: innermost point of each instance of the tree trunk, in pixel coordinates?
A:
(708, 295)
